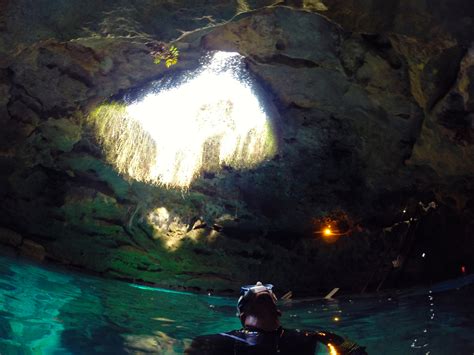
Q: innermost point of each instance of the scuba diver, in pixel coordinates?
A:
(262, 332)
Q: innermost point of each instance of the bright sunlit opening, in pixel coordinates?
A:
(212, 119)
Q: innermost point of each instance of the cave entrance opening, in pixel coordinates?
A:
(172, 132)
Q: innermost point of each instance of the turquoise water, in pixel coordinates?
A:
(49, 311)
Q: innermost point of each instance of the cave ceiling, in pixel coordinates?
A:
(372, 109)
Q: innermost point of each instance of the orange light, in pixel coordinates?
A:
(337, 319)
(332, 349)
(327, 232)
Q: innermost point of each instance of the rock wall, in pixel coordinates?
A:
(369, 124)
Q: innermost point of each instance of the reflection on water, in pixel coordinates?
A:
(46, 311)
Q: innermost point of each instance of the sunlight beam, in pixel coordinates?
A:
(210, 120)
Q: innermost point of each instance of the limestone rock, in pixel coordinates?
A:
(10, 237)
(446, 141)
(414, 18)
(32, 250)
(302, 40)
(25, 23)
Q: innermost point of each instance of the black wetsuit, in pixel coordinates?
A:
(281, 341)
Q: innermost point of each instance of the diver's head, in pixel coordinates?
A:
(257, 307)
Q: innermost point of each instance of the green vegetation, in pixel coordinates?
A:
(160, 53)
(174, 163)
(126, 144)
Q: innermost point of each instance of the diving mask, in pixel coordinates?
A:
(250, 292)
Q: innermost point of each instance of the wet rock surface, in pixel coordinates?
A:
(368, 125)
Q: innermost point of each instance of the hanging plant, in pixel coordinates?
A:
(160, 52)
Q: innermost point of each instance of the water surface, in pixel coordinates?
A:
(46, 310)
